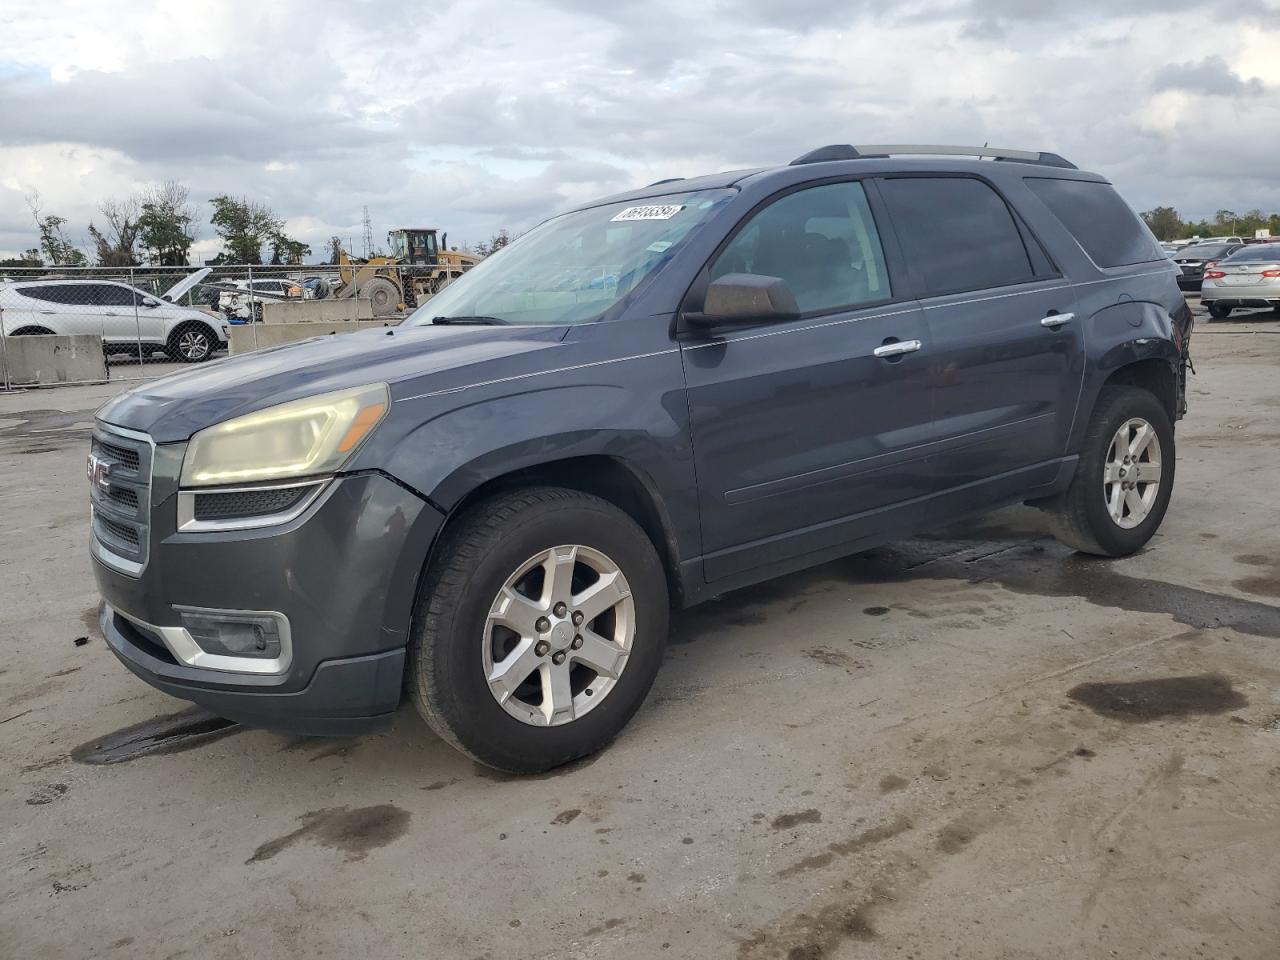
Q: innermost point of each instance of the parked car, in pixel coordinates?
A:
(248, 305)
(497, 503)
(1193, 259)
(124, 316)
(1249, 277)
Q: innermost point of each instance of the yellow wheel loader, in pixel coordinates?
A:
(417, 268)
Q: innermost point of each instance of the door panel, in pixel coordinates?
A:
(1006, 385)
(801, 436)
(1006, 376)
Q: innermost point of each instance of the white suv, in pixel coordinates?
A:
(124, 316)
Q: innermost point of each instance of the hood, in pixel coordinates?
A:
(185, 284)
(410, 359)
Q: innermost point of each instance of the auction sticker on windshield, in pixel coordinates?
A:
(664, 211)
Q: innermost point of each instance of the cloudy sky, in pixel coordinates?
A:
(477, 115)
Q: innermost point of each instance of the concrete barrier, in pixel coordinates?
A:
(33, 361)
(245, 338)
(316, 311)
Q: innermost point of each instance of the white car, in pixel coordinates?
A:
(243, 305)
(124, 316)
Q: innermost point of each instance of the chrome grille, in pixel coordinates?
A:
(119, 490)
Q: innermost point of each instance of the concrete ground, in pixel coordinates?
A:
(972, 744)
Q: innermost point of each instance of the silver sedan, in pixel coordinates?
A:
(1250, 277)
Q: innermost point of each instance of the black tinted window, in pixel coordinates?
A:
(1257, 251)
(822, 241)
(1111, 233)
(1207, 251)
(958, 233)
(109, 295)
(80, 294)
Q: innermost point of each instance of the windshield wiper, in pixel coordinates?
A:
(478, 321)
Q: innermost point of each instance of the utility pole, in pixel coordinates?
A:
(368, 235)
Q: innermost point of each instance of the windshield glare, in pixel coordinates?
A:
(575, 267)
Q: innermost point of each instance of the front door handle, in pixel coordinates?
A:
(1054, 320)
(897, 348)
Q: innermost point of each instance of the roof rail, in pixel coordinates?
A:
(668, 180)
(846, 151)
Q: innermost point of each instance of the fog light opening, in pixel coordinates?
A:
(235, 634)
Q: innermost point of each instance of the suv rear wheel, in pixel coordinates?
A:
(539, 629)
(1124, 477)
(1218, 311)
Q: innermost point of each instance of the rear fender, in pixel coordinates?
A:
(1120, 336)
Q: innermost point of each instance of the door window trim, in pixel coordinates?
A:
(900, 288)
(1024, 232)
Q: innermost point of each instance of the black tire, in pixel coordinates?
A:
(179, 346)
(32, 332)
(1080, 518)
(477, 554)
(1218, 311)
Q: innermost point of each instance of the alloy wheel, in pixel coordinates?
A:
(558, 635)
(193, 345)
(1131, 474)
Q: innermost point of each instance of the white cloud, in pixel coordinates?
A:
(494, 113)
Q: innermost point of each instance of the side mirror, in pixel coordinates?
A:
(746, 298)
(150, 302)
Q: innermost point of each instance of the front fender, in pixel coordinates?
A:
(478, 435)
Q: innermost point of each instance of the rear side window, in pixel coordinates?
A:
(68, 293)
(957, 233)
(1102, 223)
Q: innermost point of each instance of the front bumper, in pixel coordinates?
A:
(344, 574)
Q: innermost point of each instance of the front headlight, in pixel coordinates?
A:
(298, 439)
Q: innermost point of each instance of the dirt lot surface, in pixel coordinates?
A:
(972, 744)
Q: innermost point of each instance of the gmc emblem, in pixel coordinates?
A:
(99, 472)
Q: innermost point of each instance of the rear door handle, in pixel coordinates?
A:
(897, 348)
(1055, 320)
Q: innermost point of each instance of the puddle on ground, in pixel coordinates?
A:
(1141, 701)
(353, 832)
(1021, 559)
(174, 733)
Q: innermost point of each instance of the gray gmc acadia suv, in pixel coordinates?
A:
(646, 401)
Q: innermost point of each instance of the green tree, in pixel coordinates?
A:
(57, 249)
(1164, 222)
(30, 258)
(165, 225)
(285, 249)
(244, 226)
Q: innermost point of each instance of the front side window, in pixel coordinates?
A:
(576, 267)
(110, 295)
(821, 240)
(958, 233)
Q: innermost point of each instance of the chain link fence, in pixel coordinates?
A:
(148, 318)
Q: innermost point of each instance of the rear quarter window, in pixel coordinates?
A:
(1103, 224)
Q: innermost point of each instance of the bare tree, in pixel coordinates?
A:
(57, 249)
(115, 245)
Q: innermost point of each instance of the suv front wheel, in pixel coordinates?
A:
(539, 629)
(1123, 479)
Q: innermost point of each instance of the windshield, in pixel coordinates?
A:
(575, 267)
(1206, 250)
(1260, 251)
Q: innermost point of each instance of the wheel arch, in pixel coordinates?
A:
(1130, 343)
(622, 483)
